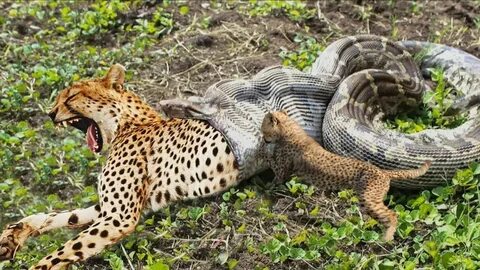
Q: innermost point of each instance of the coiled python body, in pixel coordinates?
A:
(341, 102)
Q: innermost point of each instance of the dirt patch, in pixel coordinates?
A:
(202, 40)
(227, 16)
(255, 64)
(238, 46)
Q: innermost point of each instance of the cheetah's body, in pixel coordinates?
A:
(151, 162)
(289, 150)
(161, 162)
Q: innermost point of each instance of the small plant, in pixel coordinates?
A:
(102, 17)
(391, 3)
(305, 56)
(433, 113)
(282, 248)
(365, 13)
(468, 178)
(297, 188)
(204, 22)
(295, 10)
(416, 7)
(477, 22)
(394, 28)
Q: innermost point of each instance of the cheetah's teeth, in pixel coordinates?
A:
(64, 123)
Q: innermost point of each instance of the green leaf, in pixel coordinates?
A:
(273, 245)
(115, 262)
(297, 253)
(315, 211)
(370, 236)
(431, 248)
(232, 263)
(184, 10)
(196, 213)
(475, 168)
(387, 265)
(159, 266)
(409, 265)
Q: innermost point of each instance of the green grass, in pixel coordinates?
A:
(46, 45)
(305, 55)
(296, 10)
(433, 112)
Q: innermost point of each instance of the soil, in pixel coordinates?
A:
(238, 46)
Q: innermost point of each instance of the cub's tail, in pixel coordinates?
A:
(409, 174)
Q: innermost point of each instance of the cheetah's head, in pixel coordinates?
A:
(272, 127)
(92, 106)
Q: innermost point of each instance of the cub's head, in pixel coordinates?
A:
(273, 126)
(92, 106)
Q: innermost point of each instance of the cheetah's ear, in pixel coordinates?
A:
(116, 77)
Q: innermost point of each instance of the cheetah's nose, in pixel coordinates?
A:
(52, 115)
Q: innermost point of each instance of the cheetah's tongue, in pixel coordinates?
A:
(92, 138)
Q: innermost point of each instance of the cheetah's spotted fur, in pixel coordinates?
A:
(151, 163)
(290, 150)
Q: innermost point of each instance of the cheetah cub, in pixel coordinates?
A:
(291, 151)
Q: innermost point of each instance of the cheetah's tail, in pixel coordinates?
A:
(409, 174)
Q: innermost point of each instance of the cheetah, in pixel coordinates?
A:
(151, 163)
(289, 150)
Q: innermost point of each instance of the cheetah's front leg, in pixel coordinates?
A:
(108, 230)
(122, 196)
(16, 234)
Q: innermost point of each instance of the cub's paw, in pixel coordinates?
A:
(388, 235)
(12, 238)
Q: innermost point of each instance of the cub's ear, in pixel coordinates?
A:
(272, 118)
(284, 112)
(116, 77)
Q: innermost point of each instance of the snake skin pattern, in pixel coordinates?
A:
(341, 103)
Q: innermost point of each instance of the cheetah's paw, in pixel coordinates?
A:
(12, 239)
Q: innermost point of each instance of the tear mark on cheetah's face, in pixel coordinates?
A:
(84, 106)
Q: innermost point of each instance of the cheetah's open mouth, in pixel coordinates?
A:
(91, 130)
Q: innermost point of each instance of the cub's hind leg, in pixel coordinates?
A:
(371, 189)
(16, 234)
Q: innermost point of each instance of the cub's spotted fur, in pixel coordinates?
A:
(291, 151)
(151, 162)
